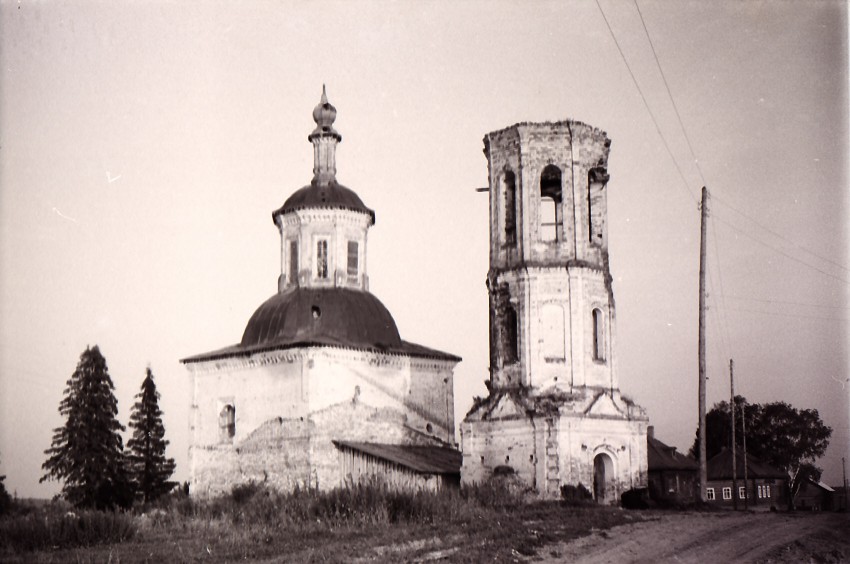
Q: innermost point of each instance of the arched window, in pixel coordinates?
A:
(227, 422)
(510, 207)
(322, 258)
(511, 334)
(598, 335)
(596, 179)
(549, 212)
(552, 317)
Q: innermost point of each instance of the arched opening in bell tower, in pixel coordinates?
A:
(549, 208)
(510, 207)
(598, 335)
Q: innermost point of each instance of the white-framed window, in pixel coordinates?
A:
(727, 493)
(767, 491)
(742, 492)
(760, 492)
(322, 259)
(709, 494)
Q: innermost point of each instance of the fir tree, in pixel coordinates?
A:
(149, 468)
(87, 452)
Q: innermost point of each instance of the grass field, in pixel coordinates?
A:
(496, 523)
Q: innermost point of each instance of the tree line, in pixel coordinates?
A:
(87, 453)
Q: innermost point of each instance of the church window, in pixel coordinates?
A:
(511, 336)
(596, 179)
(510, 208)
(353, 258)
(322, 258)
(227, 422)
(293, 261)
(549, 211)
(552, 317)
(598, 335)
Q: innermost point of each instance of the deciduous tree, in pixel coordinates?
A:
(149, 468)
(87, 452)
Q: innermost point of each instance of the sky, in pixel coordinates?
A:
(144, 145)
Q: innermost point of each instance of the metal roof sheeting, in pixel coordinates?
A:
(421, 459)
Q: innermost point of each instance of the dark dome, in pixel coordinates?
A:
(325, 195)
(333, 316)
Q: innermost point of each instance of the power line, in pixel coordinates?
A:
(670, 94)
(774, 233)
(646, 104)
(786, 255)
(785, 302)
(762, 312)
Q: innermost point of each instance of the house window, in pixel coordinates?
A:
(510, 208)
(293, 261)
(727, 493)
(227, 422)
(549, 211)
(742, 492)
(353, 258)
(709, 494)
(598, 335)
(322, 258)
(767, 491)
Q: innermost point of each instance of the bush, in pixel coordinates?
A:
(576, 495)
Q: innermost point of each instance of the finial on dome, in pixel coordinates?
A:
(324, 115)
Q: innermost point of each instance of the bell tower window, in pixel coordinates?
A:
(511, 335)
(322, 259)
(510, 208)
(549, 211)
(598, 335)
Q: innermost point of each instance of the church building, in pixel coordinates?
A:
(554, 415)
(321, 390)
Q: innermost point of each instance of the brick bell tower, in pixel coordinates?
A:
(554, 394)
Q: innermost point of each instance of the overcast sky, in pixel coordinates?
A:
(143, 148)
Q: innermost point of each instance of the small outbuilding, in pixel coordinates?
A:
(814, 496)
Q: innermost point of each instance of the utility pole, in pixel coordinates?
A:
(746, 460)
(734, 444)
(703, 472)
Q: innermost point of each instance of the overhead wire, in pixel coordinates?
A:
(646, 104)
(783, 253)
(670, 95)
(775, 234)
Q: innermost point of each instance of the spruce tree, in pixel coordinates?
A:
(87, 452)
(149, 468)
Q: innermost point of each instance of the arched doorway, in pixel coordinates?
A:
(603, 475)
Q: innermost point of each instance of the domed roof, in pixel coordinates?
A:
(324, 195)
(327, 316)
(324, 114)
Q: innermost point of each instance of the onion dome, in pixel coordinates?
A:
(323, 316)
(324, 114)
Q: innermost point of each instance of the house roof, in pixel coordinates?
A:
(720, 467)
(663, 457)
(420, 459)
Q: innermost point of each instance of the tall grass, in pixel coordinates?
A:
(55, 527)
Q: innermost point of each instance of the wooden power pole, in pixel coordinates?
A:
(734, 444)
(703, 473)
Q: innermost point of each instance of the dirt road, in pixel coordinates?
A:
(714, 537)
